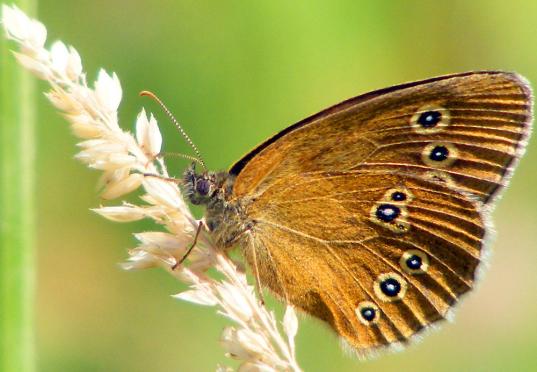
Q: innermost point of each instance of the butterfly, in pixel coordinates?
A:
(374, 214)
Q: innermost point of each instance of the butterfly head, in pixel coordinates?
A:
(200, 188)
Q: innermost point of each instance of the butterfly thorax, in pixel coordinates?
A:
(223, 216)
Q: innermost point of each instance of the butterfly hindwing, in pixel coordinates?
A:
(342, 257)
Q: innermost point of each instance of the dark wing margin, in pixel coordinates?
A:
(236, 168)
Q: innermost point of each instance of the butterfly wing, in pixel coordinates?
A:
(369, 215)
(327, 245)
(466, 130)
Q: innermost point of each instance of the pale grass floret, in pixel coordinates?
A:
(256, 339)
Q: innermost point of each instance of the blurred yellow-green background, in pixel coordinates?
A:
(234, 72)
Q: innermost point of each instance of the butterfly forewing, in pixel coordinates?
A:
(483, 126)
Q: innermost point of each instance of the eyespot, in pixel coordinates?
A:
(414, 261)
(390, 216)
(390, 211)
(203, 186)
(430, 119)
(398, 196)
(367, 312)
(387, 212)
(439, 155)
(390, 287)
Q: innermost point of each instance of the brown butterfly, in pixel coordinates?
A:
(373, 215)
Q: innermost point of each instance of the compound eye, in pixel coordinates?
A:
(203, 186)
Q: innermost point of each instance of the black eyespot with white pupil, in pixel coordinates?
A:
(414, 262)
(203, 186)
(439, 153)
(398, 196)
(390, 287)
(429, 119)
(387, 212)
(368, 313)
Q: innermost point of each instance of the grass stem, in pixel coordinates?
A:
(17, 210)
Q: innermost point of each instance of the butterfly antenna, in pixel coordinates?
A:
(174, 120)
(184, 156)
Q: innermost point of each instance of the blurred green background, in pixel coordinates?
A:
(234, 72)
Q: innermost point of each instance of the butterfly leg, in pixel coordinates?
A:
(198, 231)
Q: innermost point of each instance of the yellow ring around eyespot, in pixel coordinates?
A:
(441, 125)
(399, 225)
(361, 318)
(414, 252)
(453, 155)
(382, 277)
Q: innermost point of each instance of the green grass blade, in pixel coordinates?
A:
(17, 209)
